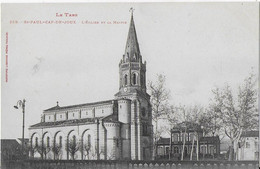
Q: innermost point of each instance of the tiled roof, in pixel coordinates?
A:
(65, 122)
(250, 134)
(78, 105)
(143, 94)
(163, 140)
(53, 108)
(111, 118)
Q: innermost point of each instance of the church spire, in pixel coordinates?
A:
(132, 51)
(132, 71)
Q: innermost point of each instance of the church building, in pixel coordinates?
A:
(120, 128)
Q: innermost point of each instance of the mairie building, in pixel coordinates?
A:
(120, 128)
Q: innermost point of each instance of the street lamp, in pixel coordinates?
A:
(216, 110)
(204, 147)
(21, 104)
(213, 132)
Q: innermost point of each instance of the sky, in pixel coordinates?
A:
(197, 46)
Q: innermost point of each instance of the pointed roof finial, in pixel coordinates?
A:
(131, 10)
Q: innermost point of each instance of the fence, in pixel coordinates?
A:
(100, 164)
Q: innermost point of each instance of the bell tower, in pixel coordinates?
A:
(134, 107)
(131, 68)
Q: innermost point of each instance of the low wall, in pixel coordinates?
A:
(100, 164)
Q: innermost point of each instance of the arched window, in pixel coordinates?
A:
(36, 142)
(134, 79)
(60, 141)
(48, 141)
(89, 140)
(125, 79)
(175, 137)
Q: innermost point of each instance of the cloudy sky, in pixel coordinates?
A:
(197, 46)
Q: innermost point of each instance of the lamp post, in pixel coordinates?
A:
(213, 132)
(21, 103)
(204, 147)
(214, 145)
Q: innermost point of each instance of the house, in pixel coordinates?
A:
(210, 146)
(248, 147)
(163, 148)
(188, 138)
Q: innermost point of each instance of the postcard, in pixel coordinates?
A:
(130, 81)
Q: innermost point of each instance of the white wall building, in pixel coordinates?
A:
(249, 146)
(115, 129)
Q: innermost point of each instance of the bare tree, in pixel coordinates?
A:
(93, 152)
(111, 155)
(210, 120)
(32, 149)
(189, 118)
(159, 100)
(86, 150)
(186, 117)
(99, 151)
(198, 113)
(72, 147)
(43, 150)
(171, 117)
(237, 113)
(56, 149)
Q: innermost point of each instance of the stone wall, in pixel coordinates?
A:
(102, 164)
